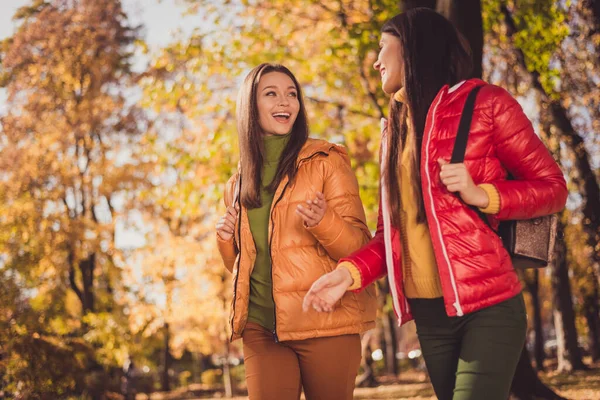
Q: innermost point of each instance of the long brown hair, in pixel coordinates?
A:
(433, 54)
(252, 153)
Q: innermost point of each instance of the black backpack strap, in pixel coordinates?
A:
(460, 144)
(462, 137)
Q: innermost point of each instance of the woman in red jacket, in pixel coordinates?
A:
(445, 266)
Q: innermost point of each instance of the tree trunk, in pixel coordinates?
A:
(227, 384)
(391, 344)
(165, 386)
(196, 367)
(592, 315)
(534, 287)
(466, 16)
(86, 267)
(569, 354)
(594, 7)
(586, 179)
(526, 385)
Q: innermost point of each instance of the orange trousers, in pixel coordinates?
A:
(325, 367)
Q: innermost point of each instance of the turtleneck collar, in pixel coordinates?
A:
(274, 145)
(400, 95)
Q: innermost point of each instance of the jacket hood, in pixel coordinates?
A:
(316, 146)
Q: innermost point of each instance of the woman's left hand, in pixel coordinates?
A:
(456, 178)
(312, 213)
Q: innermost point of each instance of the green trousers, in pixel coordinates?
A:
(474, 356)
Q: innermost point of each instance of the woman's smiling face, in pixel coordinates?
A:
(277, 103)
(389, 63)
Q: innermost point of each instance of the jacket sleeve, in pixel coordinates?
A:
(370, 259)
(227, 248)
(538, 186)
(343, 228)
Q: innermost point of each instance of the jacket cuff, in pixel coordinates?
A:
(494, 199)
(227, 251)
(328, 230)
(354, 272)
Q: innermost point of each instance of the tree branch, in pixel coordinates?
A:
(365, 83)
(339, 105)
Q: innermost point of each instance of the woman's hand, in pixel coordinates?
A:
(327, 290)
(226, 224)
(456, 178)
(312, 213)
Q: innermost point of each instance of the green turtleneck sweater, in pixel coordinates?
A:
(261, 308)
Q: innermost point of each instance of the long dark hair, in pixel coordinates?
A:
(433, 54)
(252, 153)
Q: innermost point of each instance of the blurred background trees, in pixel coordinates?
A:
(114, 155)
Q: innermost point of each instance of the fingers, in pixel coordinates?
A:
(321, 305)
(311, 300)
(319, 202)
(452, 169)
(317, 206)
(226, 224)
(311, 216)
(452, 180)
(314, 297)
(312, 213)
(308, 301)
(232, 211)
(229, 224)
(308, 214)
(455, 188)
(454, 176)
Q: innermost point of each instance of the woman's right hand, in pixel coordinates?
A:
(226, 224)
(327, 290)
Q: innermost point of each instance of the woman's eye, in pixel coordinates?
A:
(293, 94)
(270, 94)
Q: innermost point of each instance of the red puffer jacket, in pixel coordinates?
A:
(475, 269)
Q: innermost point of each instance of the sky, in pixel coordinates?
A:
(163, 22)
(162, 18)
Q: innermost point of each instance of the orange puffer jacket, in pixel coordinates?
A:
(300, 255)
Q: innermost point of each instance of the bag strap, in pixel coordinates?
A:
(462, 137)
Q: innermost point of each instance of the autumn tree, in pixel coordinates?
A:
(68, 165)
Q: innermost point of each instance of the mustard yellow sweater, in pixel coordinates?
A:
(420, 273)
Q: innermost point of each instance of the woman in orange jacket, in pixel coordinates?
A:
(293, 210)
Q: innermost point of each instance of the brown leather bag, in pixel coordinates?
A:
(530, 242)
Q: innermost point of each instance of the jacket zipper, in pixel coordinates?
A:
(237, 273)
(275, 337)
(271, 258)
(389, 255)
(438, 229)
